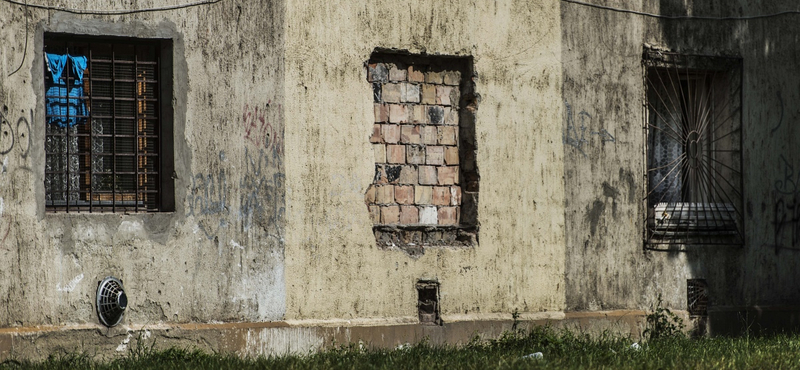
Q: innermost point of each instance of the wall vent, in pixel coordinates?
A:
(697, 297)
(111, 301)
(428, 302)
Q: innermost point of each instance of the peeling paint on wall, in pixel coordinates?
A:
(71, 285)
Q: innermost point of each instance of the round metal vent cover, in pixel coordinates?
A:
(111, 301)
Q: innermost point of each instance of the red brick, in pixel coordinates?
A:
(451, 155)
(418, 114)
(404, 194)
(415, 75)
(396, 154)
(435, 114)
(369, 196)
(390, 93)
(452, 78)
(423, 194)
(447, 135)
(384, 194)
(448, 175)
(377, 72)
(409, 215)
(428, 94)
(441, 195)
(443, 94)
(380, 153)
(408, 175)
(428, 215)
(455, 195)
(380, 175)
(433, 77)
(409, 93)
(397, 74)
(409, 134)
(391, 133)
(390, 215)
(415, 154)
(448, 215)
(427, 175)
(375, 214)
(398, 113)
(451, 116)
(430, 135)
(381, 112)
(434, 155)
(376, 134)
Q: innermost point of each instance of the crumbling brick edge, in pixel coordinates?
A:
(413, 239)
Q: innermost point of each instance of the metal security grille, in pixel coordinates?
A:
(697, 297)
(693, 150)
(102, 125)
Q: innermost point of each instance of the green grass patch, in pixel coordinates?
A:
(560, 350)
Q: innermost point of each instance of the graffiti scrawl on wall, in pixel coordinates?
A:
(260, 131)
(579, 135)
(257, 200)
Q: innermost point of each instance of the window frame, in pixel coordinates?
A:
(87, 176)
(711, 212)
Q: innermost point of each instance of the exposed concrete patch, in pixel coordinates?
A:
(281, 341)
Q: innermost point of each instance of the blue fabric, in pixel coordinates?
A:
(78, 66)
(63, 103)
(56, 64)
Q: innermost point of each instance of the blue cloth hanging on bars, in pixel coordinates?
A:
(64, 103)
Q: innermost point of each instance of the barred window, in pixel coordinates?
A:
(694, 158)
(105, 144)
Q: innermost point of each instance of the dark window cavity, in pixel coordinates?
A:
(693, 150)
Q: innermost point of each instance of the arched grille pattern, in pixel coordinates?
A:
(693, 137)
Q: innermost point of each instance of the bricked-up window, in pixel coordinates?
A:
(425, 187)
(107, 145)
(694, 158)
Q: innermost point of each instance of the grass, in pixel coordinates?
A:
(560, 349)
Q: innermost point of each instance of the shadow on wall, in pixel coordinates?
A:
(749, 288)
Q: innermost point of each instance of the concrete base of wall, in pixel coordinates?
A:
(758, 320)
(254, 339)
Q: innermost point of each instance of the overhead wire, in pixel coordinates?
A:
(688, 17)
(94, 12)
(25, 49)
(113, 12)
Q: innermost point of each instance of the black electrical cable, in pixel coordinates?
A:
(113, 12)
(694, 17)
(94, 12)
(25, 52)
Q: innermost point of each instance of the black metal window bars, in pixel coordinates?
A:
(106, 157)
(693, 150)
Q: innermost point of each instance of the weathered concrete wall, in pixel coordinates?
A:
(273, 116)
(604, 157)
(334, 270)
(219, 255)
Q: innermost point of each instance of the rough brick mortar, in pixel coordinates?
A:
(424, 140)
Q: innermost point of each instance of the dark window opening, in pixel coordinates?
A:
(428, 302)
(108, 140)
(693, 150)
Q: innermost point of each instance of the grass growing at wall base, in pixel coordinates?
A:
(560, 350)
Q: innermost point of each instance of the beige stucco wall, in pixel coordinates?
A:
(333, 268)
(219, 255)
